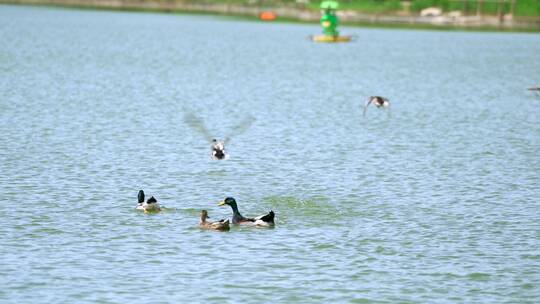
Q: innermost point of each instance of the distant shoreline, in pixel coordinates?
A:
(293, 14)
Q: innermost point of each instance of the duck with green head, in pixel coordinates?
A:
(262, 220)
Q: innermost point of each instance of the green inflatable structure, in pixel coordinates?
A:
(329, 20)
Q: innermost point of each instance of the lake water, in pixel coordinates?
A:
(437, 202)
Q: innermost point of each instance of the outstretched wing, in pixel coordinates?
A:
(240, 128)
(197, 124)
(368, 102)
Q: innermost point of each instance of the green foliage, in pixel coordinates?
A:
(418, 5)
(528, 8)
(368, 6)
(374, 5)
(523, 7)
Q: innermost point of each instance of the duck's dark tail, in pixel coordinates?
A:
(141, 196)
(269, 218)
(151, 200)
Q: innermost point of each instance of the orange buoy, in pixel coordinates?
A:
(267, 16)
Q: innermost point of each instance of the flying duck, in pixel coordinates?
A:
(217, 146)
(378, 101)
(218, 150)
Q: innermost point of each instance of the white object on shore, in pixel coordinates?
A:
(455, 14)
(431, 12)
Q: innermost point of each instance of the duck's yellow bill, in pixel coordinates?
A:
(221, 203)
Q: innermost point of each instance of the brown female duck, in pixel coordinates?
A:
(222, 225)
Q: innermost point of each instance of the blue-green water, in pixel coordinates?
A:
(437, 203)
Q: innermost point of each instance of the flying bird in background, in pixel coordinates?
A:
(218, 151)
(378, 101)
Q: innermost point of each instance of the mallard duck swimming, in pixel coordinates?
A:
(151, 205)
(378, 101)
(238, 219)
(221, 225)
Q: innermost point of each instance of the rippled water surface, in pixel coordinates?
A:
(437, 202)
